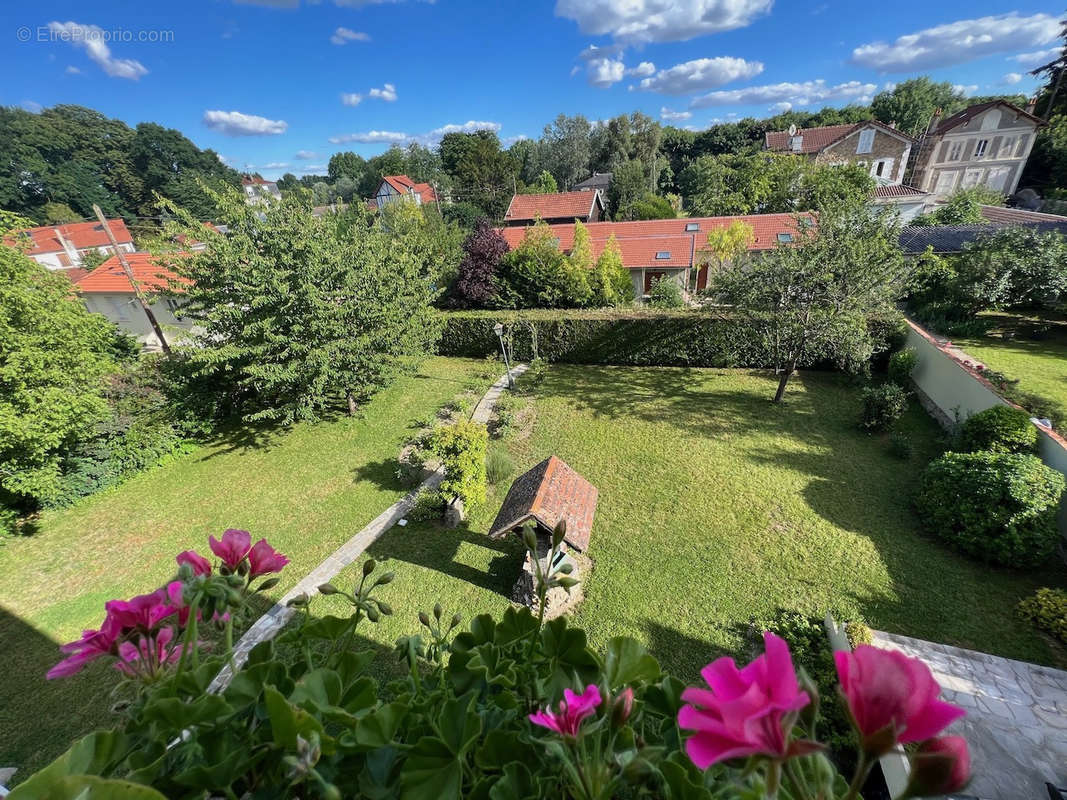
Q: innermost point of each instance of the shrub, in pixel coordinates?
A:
(901, 364)
(498, 465)
(998, 507)
(1047, 609)
(999, 429)
(504, 415)
(900, 445)
(9, 518)
(429, 506)
(665, 293)
(461, 448)
(882, 406)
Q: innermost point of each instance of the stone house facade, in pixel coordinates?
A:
(881, 149)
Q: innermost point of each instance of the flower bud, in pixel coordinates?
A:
(299, 601)
(385, 578)
(385, 608)
(368, 566)
(437, 611)
(328, 589)
(456, 619)
(270, 583)
(372, 614)
(566, 568)
(622, 707)
(529, 538)
(940, 766)
(424, 618)
(559, 533)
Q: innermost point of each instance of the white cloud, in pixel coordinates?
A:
(643, 69)
(700, 74)
(386, 93)
(1011, 78)
(1036, 58)
(957, 42)
(674, 116)
(799, 94)
(965, 89)
(508, 141)
(396, 137)
(234, 123)
(782, 107)
(305, 155)
(637, 21)
(351, 98)
(313, 168)
(276, 165)
(343, 36)
(72, 70)
(604, 72)
(94, 40)
(31, 105)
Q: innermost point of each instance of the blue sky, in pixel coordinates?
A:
(279, 85)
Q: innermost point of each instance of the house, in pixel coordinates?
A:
(906, 201)
(667, 248)
(553, 208)
(395, 187)
(600, 181)
(881, 149)
(984, 145)
(63, 246)
(108, 291)
(257, 190)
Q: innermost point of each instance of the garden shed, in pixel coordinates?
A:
(549, 492)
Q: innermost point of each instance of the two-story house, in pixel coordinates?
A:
(983, 145)
(555, 208)
(259, 190)
(63, 247)
(881, 149)
(399, 187)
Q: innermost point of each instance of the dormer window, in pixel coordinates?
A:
(796, 143)
(785, 237)
(692, 226)
(663, 255)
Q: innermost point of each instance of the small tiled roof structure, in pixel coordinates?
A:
(598, 180)
(898, 190)
(255, 180)
(404, 185)
(549, 492)
(965, 116)
(80, 235)
(110, 278)
(1020, 216)
(815, 140)
(560, 205)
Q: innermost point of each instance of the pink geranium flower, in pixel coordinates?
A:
(89, 647)
(149, 653)
(573, 709)
(143, 612)
(745, 711)
(893, 695)
(940, 766)
(264, 559)
(200, 565)
(232, 549)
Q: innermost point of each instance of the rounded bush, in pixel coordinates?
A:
(999, 507)
(882, 406)
(1000, 429)
(901, 364)
(1047, 609)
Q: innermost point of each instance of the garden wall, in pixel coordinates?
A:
(952, 386)
(688, 338)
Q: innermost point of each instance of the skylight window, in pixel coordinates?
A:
(785, 237)
(692, 226)
(663, 255)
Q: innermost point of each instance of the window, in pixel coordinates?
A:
(692, 226)
(955, 151)
(971, 177)
(980, 148)
(118, 306)
(796, 144)
(785, 237)
(866, 141)
(883, 170)
(991, 120)
(1007, 147)
(946, 182)
(997, 177)
(663, 255)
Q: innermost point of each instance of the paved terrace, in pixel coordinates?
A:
(1016, 721)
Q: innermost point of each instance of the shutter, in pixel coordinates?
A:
(943, 155)
(968, 149)
(994, 147)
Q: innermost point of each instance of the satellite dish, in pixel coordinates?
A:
(792, 130)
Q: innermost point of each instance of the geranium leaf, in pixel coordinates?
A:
(431, 772)
(627, 662)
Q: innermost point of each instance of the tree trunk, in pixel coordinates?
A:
(790, 368)
(352, 407)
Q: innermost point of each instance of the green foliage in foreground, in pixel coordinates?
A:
(1047, 609)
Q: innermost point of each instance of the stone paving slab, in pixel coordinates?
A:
(278, 616)
(1016, 721)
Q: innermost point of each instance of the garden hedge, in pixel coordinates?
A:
(633, 338)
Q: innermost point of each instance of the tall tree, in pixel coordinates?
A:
(912, 103)
(610, 282)
(811, 300)
(567, 143)
(304, 314)
(629, 184)
(346, 164)
(475, 285)
(725, 245)
(481, 172)
(543, 184)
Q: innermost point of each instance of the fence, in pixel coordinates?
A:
(951, 386)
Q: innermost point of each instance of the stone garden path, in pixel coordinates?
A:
(272, 622)
(1016, 723)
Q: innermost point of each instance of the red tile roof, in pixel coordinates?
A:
(81, 236)
(814, 140)
(404, 185)
(961, 117)
(109, 277)
(898, 190)
(639, 242)
(549, 492)
(560, 205)
(252, 180)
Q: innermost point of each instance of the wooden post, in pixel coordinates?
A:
(133, 281)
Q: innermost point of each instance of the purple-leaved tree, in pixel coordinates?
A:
(482, 251)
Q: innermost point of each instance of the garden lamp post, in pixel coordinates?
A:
(498, 329)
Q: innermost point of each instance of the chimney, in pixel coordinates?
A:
(893, 124)
(934, 121)
(1031, 106)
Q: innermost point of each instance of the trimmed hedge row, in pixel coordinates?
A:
(626, 338)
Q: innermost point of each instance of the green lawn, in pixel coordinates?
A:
(1039, 364)
(306, 490)
(716, 506)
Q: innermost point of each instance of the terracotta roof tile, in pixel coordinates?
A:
(80, 235)
(549, 492)
(109, 277)
(404, 185)
(813, 140)
(560, 205)
(898, 190)
(1018, 216)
